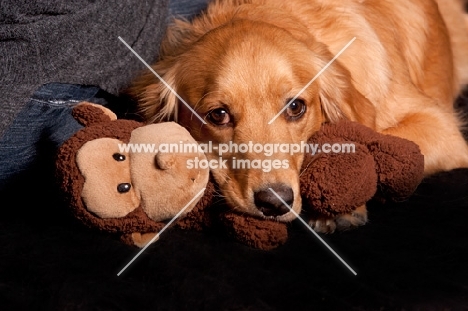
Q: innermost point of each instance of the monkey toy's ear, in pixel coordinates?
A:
(88, 114)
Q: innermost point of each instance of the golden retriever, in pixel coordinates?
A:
(242, 61)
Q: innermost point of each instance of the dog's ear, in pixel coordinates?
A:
(180, 35)
(157, 101)
(340, 99)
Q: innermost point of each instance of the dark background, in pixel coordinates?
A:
(412, 255)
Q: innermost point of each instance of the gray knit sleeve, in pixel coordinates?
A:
(73, 42)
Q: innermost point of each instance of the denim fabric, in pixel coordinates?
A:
(186, 8)
(44, 124)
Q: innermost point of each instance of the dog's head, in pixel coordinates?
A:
(239, 78)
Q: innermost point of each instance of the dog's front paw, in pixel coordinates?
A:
(342, 222)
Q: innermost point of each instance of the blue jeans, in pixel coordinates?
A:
(44, 124)
(28, 147)
(186, 8)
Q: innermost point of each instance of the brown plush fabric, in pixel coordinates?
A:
(383, 166)
(201, 216)
(71, 180)
(255, 232)
(333, 184)
(87, 114)
(98, 125)
(400, 167)
(138, 239)
(400, 164)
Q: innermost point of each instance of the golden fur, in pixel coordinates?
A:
(249, 57)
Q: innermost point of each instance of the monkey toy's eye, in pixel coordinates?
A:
(119, 157)
(124, 187)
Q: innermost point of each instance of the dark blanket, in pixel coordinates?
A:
(412, 255)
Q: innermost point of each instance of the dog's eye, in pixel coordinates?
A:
(219, 116)
(296, 109)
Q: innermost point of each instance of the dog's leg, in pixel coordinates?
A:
(456, 20)
(437, 133)
(342, 222)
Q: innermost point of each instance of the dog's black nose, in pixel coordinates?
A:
(269, 204)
